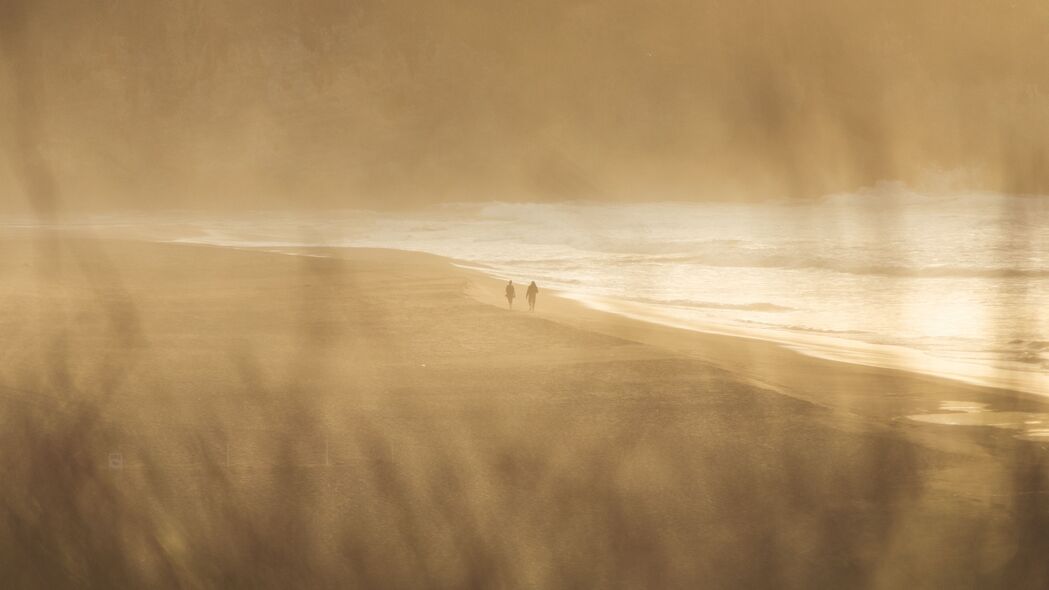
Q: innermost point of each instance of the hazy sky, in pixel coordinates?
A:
(333, 103)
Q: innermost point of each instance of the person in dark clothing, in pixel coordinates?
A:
(510, 293)
(530, 294)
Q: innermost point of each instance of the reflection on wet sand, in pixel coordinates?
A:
(1032, 426)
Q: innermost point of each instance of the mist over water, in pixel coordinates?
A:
(952, 285)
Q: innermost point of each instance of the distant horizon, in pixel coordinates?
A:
(69, 209)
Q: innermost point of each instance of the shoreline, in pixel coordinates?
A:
(923, 396)
(834, 348)
(908, 402)
(842, 386)
(815, 344)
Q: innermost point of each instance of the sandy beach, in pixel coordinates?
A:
(193, 416)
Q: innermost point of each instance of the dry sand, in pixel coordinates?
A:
(188, 416)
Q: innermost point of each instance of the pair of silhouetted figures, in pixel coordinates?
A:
(530, 294)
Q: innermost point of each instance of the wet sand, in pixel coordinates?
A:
(177, 415)
(847, 389)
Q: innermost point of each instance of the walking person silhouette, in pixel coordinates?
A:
(510, 293)
(530, 294)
